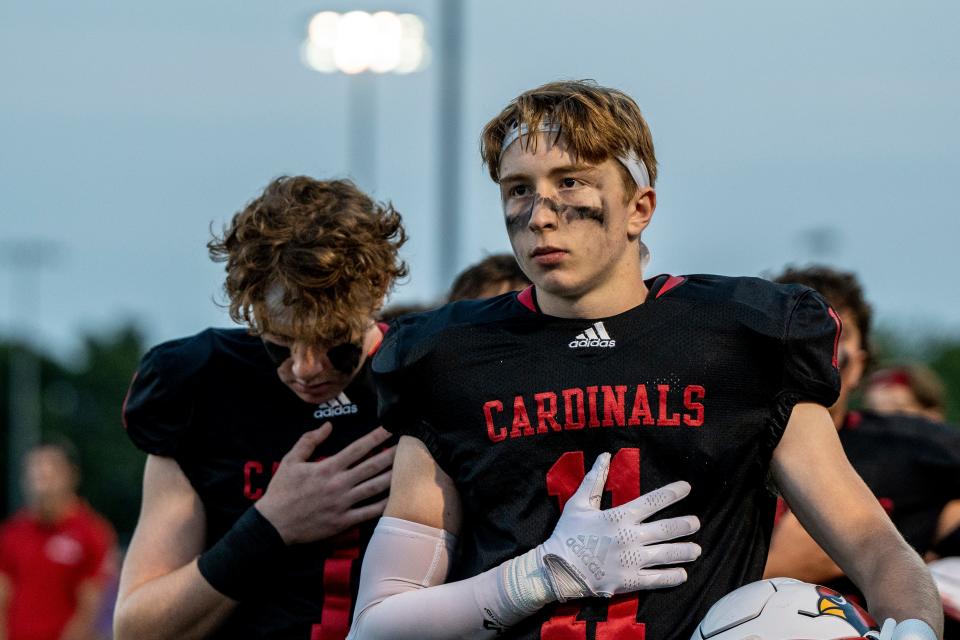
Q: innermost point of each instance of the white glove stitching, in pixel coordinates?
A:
(577, 557)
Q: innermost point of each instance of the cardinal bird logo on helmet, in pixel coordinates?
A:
(832, 603)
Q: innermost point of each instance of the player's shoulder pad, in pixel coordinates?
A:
(159, 404)
(765, 307)
(412, 337)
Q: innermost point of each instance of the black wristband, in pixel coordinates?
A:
(239, 562)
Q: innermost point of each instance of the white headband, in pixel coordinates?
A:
(631, 161)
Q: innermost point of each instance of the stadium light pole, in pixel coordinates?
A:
(449, 114)
(362, 44)
(356, 43)
(25, 259)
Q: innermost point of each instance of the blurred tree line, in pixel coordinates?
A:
(941, 354)
(82, 401)
(946, 362)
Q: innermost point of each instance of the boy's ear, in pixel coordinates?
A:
(642, 206)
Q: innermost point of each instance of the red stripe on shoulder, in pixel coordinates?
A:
(672, 283)
(836, 338)
(384, 327)
(782, 509)
(526, 299)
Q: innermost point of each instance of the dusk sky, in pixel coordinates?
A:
(785, 133)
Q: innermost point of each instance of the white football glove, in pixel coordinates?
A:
(907, 630)
(602, 553)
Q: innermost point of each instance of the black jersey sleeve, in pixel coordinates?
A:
(398, 369)
(159, 404)
(811, 371)
(407, 362)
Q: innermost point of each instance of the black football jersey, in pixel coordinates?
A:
(912, 466)
(695, 384)
(214, 403)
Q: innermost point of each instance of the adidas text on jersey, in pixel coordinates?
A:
(595, 336)
(339, 406)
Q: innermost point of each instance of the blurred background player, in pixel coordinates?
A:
(910, 463)
(56, 555)
(250, 514)
(492, 276)
(913, 389)
(916, 389)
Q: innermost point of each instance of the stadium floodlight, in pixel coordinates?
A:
(357, 41)
(363, 45)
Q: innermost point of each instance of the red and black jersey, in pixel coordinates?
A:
(695, 384)
(214, 403)
(911, 464)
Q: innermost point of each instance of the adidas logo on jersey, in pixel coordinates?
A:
(595, 336)
(339, 406)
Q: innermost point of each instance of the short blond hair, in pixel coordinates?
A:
(597, 123)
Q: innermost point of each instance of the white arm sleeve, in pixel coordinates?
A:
(590, 552)
(402, 595)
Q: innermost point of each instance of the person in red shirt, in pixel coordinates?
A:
(56, 554)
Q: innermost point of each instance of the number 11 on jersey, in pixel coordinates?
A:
(623, 483)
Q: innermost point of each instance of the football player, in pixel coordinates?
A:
(908, 388)
(490, 277)
(266, 464)
(909, 462)
(717, 383)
